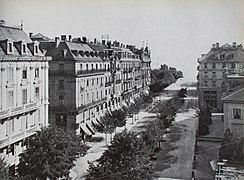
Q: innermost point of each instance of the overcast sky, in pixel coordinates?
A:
(177, 31)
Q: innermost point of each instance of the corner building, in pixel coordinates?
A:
(87, 79)
(214, 67)
(23, 92)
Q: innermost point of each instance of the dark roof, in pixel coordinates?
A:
(13, 33)
(97, 46)
(235, 96)
(40, 36)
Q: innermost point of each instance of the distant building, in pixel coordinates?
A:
(234, 112)
(23, 91)
(213, 68)
(86, 79)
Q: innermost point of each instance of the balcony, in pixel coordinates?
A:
(18, 136)
(18, 110)
(108, 84)
(92, 71)
(89, 105)
(118, 81)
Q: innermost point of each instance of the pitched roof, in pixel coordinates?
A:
(13, 33)
(235, 96)
(230, 53)
(40, 36)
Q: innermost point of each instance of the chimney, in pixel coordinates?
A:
(109, 44)
(30, 34)
(79, 39)
(84, 39)
(95, 41)
(213, 46)
(203, 55)
(103, 42)
(70, 37)
(63, 37)
(234, 44)
(2, 22)
(57, 41)
(217, 45)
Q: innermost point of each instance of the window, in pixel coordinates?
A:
(61, 84)
(24, 48)
(214, 83)
(205, 83)
(92, 81)
(11, 74)
(10, 98)
(61, 67)
(223, 65)
(233, 65)
(36, 49)
(205, 65)
(214, 65)
(36, 72)
(80, 66)
(87, 82)
(37, 92)
(87, 67)
(97, 80)
(10, 47)
(92, 66)
(61, 100)
(213, 74)
(237, 113)
(205, 74)
(24, 96)
(24, 73)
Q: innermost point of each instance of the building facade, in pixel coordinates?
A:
(23, 91)
(234, 112)
(213, 67)
(87, 79)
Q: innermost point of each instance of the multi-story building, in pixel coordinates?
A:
(213, 67)
(23, 91)
(86, 79)
(233, 105)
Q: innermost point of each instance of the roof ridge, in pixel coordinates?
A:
(233, 93)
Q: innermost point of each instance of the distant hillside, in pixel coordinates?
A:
(163, 77)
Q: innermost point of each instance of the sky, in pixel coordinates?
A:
(176, 31)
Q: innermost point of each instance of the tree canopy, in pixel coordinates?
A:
(50, 153)
(125, 158)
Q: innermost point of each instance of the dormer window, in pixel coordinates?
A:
(24, 48)
(64, 52)
(10, 47)
(36, 49)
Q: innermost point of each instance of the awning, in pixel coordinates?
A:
(132, 101)
(89, 126)
(84, 129)
(124, 104)
(147, 92)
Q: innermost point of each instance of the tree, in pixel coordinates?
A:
(50, 154)
(125, 158)
(119, 116)
(4, 170)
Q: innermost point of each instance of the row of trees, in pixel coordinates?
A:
(117, 118)
(49, 154)
(129, 155)
(204, 116)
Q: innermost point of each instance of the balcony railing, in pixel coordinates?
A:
(87, 106)
(19, 136)
(18, 110)
(91, 71)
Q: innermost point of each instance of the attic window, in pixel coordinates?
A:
(36, 49)
(81, 53)
(87, 53)
(10, 47)
(24, 48)
(64, 52)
